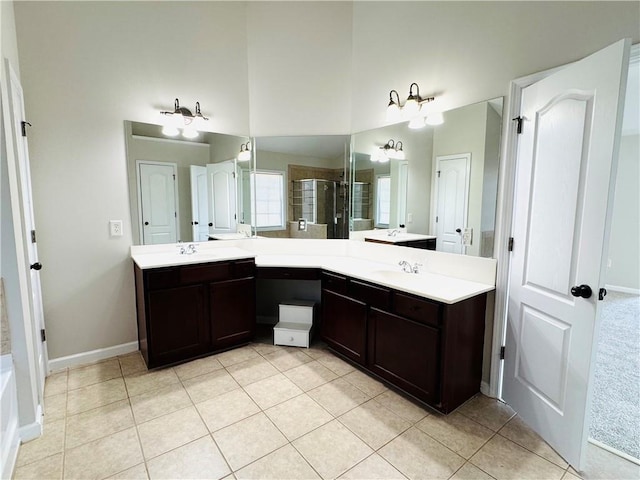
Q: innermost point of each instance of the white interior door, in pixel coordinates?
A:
(199, 203)
(452, 180)
(566, 156)
(32, 264)
(158, 202)
(221, 186)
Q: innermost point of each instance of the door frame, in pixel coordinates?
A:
(504, 215)
(467, 186)
(139, 199)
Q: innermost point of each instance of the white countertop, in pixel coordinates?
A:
(400, 237)
(174, 258)
(435, 286)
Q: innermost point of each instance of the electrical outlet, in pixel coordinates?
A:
(409, 217)
(609, 263)
(115, 228)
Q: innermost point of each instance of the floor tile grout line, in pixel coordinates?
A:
(531, 451)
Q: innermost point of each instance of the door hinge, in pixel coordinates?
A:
(33, 236)
(510, 247)
(235, 216)
(23, 127)
(234, 174)
(519, 127)
(43, 335)
(174, 177)
(436, 219)
(438, 172)
(502, 352)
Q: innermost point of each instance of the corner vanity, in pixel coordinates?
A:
(422, 333)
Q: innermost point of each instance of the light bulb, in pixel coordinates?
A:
(189, 132)
(399, 155)
(170, 131)
(394, 114)
(434, 119)
(416, 123)
(411, 108)
(244, 155)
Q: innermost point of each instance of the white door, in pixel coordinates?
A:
(158, 210)
(452, 183)
(566, 156)
(199, 203)
(221, 186)
(32, 264)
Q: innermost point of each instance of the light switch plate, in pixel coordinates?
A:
(409, 217)
(467, 237)
(115, 228)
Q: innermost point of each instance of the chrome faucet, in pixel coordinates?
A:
(188, 250)
(393, 233)
(408, 268)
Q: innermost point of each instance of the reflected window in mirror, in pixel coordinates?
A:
(383, 203)
(269, 188)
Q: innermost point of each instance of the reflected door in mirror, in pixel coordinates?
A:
(222, 197)
(452, 199)
(158, 202)
(199, 203)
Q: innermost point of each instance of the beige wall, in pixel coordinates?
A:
(265, 68)
(624, 244)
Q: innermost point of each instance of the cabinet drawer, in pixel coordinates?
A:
(370, 294)
(244, 268)
(162, 278)
(203, 273)
(333, 282)
(280, 273)
(417, 309)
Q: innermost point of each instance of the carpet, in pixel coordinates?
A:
(615, 410)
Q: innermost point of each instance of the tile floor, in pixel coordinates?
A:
(263, 411)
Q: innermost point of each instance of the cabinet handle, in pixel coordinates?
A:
(210, 224)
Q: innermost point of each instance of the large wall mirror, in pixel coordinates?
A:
(439, 180)
(186, 190)
(301, 186)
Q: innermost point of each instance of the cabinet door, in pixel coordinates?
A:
(178, 328)
(344, 325)
(404, 352)
(232, 307)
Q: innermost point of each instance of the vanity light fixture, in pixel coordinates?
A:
(390, 150)
(181, 117)
(245, 152)
(411, 110)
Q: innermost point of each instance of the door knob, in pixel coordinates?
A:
(195, 223)
(36, 266)
(146, 223)
(211, 224)
(458, 230)
(583, 291)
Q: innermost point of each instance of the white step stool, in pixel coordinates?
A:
(295, 325)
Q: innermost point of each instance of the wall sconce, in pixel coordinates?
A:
(411, 110)
(390, 150)
(245, 152)
(181, 117)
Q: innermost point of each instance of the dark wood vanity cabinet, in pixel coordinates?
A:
(191, 310)
(405, 353)
(344, 325)
(430, 350)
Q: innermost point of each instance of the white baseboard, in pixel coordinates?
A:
(617, 288)
(33, 430)
(484, 389)
(615, 451)
(92, 356)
